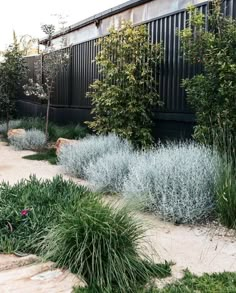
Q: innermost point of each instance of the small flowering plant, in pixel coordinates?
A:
(24, 213)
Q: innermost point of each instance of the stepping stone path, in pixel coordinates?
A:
(29, 275)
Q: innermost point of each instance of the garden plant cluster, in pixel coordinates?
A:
(185, 182)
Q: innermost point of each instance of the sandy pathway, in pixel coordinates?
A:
(201, 249)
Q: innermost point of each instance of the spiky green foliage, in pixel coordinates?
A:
(42, 201)
(102, 245)
(209, 283)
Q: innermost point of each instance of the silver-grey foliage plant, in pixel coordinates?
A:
(176, 181)
(33, 139)
(12, 124)
(76, 157)
(107, 174)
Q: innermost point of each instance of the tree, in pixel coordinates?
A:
(28, 45)
(53, 62)
(212, 93)
(127, 92)
(12, 74)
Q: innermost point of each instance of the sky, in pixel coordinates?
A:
(26, 16)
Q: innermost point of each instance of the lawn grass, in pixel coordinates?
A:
(46, 155)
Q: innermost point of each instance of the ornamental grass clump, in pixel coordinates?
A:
(77, 156)
(101, 244)
(107, 174)
(176, 181)
(29, 208)
(32, 139)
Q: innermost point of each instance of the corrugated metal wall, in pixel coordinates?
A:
(72, 85)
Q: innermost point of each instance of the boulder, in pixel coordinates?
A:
(15, 132)
(62, 141)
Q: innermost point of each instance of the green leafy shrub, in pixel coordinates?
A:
(29, 208)
(212, 93)
(123, 99)
(102, 245)
(12, 74)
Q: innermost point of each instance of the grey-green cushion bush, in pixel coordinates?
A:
(107, 174)
(176, 181)
(33, 139)
(75, 157)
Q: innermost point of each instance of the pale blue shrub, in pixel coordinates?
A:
(176, 181)
(107, 174)
(76, 157)
(33, 139)
(12, 124)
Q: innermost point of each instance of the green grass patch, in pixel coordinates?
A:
(217, 283)
(46, 155)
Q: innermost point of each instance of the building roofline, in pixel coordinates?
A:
(96, 18)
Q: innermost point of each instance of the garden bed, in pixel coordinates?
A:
(208, 248)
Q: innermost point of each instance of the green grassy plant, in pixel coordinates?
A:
(208, 283)
(29, 208)
(102, 245)
(226, 195)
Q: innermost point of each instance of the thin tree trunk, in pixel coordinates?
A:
(7, 117)
(47, 118)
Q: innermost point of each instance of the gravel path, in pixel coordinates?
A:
(201, 249)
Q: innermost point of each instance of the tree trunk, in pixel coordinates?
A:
(47, 118)
(7, 118)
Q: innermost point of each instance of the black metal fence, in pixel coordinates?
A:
(72, 85)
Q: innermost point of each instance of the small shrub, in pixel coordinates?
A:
(29, 208)
(12, 124)
(33, 139)
(175, 181)
(76, 157)
(107, 174)
(102, 245)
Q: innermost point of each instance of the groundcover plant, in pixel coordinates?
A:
(70, 225)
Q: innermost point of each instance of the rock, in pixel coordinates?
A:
(62, 141)
(15, 132)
